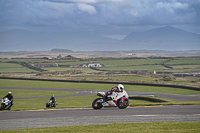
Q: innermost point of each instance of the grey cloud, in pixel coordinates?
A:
(98, 13)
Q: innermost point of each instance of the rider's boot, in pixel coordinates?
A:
(104, 98)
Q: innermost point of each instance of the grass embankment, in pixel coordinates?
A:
(93, 86)
(34, 103)
(157, 127)
(34, 93)
(80, 101)
(12, 68)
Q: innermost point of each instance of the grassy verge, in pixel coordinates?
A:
(63, 102)
(34, 103)
(84, 102)
(156, 127)
(34, 93)
(93, 86)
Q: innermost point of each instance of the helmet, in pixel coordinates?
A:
(120, 87)
(52, 96)
(9, 93)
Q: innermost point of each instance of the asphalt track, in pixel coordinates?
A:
(88, 116)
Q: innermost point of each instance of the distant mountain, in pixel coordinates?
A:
(18, 40)
(164, 38)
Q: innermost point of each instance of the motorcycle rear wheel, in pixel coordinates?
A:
(97, 105)
(122, 104)
(2, 107)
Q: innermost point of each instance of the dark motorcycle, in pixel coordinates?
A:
(50, 104)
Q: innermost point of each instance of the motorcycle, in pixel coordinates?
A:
(116, 99)
(5, 104)
(50, 104)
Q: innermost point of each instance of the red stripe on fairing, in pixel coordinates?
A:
(110, 104)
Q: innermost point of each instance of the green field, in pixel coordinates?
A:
(85, 70)
(184, 60)
(179, 64)
(116, 69)
(14, 68)
(156, 127)
(134, 68)
(131, 62)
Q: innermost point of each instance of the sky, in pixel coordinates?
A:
(111, 18)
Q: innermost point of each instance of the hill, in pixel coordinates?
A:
(164, 38)
(61, 50)
(18, 40)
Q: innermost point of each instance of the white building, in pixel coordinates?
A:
(91, 64)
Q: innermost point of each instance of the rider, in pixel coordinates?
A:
(116, 89)
(10, 97)
(53, 99)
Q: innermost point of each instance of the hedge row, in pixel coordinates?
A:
(25, 64)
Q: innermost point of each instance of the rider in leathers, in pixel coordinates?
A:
(53, 99)
(118, 88)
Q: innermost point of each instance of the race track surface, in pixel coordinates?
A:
(89, 116)
(70, 117)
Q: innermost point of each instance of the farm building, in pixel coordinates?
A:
(69, 57)
(92, 64)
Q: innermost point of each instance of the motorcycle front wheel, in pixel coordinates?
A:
(122, 104)
(97, 105)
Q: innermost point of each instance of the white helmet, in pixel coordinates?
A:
(9, 92)
(120, 87)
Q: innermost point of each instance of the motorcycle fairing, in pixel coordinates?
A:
(110, 103)
(6, 101)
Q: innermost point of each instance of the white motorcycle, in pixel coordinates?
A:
(5, 104)
(116, 99)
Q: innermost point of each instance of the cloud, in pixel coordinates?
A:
(98, 14)
(54, 10)
(88, 1)
(86, 8)
(171, 7)
(144, 12)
